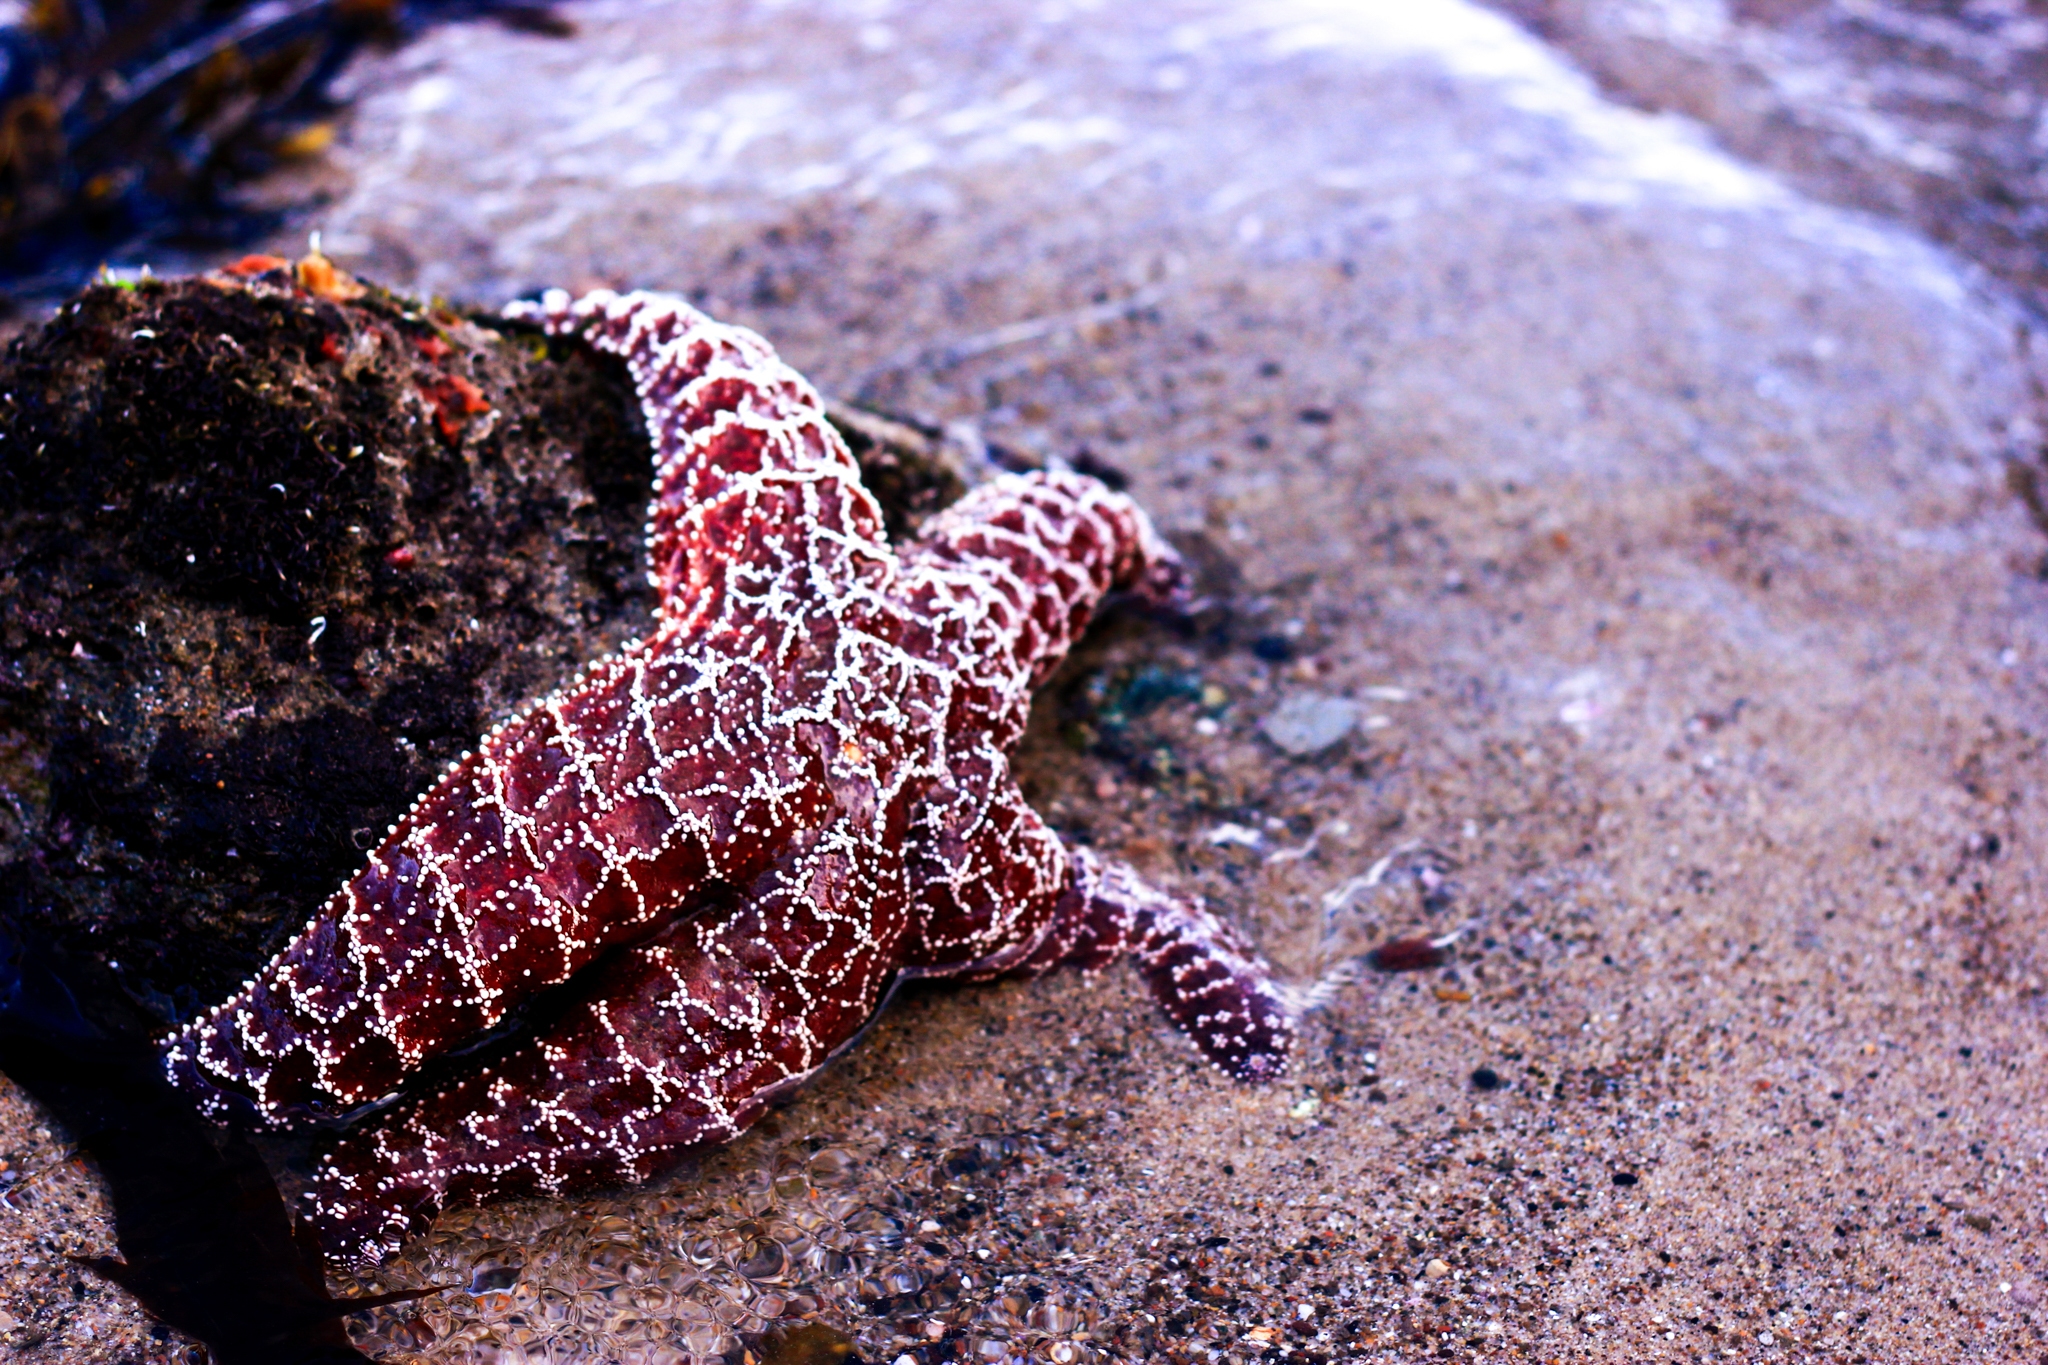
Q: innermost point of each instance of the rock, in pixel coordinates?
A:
(271, 561)
(1310, 722)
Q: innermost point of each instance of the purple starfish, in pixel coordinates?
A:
(730, 838)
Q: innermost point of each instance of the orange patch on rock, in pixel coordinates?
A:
(455, 401)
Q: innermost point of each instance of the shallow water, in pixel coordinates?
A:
(1922, 110)
(1652, 515)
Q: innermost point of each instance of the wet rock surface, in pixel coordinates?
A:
(253, 537)
(1654, 518)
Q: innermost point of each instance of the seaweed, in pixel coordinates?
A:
(127, 123)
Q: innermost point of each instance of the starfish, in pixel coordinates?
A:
(713, 854)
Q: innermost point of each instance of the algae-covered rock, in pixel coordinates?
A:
(269, 559)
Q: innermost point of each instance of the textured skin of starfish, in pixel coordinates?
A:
(717, 850)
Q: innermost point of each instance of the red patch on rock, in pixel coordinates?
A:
(455, 401)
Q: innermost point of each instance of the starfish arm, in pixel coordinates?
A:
(574, 826)
(676, 1044)
(753, 488)
(1204, 976)
(1006, 579)
(999, 896)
